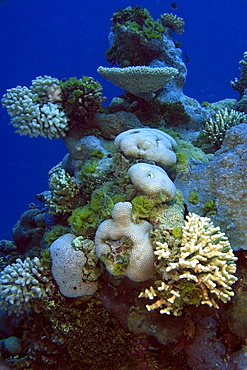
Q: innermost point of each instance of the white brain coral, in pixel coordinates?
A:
(147, 143)
(152, 180)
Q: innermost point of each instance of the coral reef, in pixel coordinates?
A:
(141, 81)
(81, 99)
(21, 283)
(201, 271)
(135, 38)
(125, 247)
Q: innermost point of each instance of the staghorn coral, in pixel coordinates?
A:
(33, 114)
(21, 282)
(215, 130)
(173, 22)
(64, 194)
(241, 84)
(141, 81)
(201, 271)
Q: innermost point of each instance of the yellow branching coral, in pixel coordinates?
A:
(201, 271)
(173, 22)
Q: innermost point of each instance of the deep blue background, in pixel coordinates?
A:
(69, 38)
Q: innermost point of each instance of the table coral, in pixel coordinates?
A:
(141, 81)
(201, 271)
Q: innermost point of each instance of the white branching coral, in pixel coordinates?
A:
(201, 271)
(36, 111)
(215, 129)
(21, 282)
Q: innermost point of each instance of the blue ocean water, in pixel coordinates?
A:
(69, 38)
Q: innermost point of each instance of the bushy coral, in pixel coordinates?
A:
(64, 194)
(173, 22)
(81, 99)
(200, 271)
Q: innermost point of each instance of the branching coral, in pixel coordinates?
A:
(201, 271)
(241, 84)
(173, 22)
(37, 111)
(64, 194)
(215, 130)
(21, 282)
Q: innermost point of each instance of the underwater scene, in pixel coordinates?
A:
(123, 231)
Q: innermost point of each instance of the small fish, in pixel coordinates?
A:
(186, 57)
(174, 6)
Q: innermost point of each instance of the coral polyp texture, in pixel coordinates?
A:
(21, 283)
(173, 22)
(152, 181)
(201, 271)
(141, 81)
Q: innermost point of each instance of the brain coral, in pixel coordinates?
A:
(152, 180)
(150, 144)
(125, 247)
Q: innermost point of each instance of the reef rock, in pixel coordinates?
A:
(223, 182)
